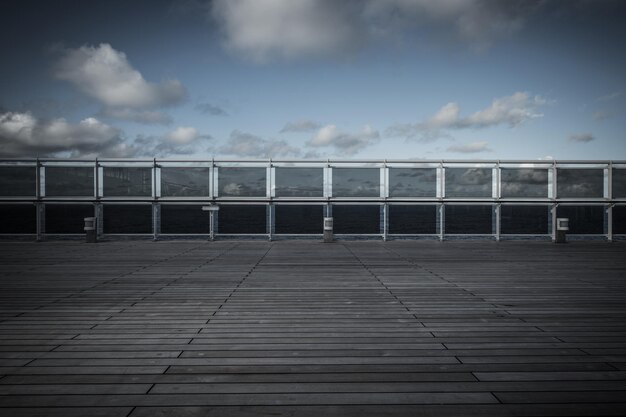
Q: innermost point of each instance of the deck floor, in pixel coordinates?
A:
(296, 328)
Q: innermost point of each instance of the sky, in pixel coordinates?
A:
(314, 79)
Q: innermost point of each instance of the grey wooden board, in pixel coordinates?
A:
(542, 410)
(229, 328)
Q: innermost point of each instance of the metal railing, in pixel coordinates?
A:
(595, 191)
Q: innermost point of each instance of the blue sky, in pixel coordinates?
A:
(396, 79)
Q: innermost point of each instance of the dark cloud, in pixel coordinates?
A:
(23, 135)
(581, 137)
(262, 30)
(149, 117)
(210, 109)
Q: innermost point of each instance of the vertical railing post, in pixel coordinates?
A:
(441, 191)
(496, 194)
(609, 214)
(554, 197)
(269, 192)
(156, 220)
(39, 207)
(40, 212)
(442, 215)
(498, 213)
(384, 193)
(97, 206)
(156, 208)
(609, 209)
(215, 181)
(553, 211)
(98, 212)
(385, 221)
(270, 220)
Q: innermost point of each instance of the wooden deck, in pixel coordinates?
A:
(297, 328)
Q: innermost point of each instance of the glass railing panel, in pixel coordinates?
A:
(524, 182)
(356, 182)
(242, 219)
(356, 219)
(579, 183)
(468, 182)
(299, 182)
(412, 182)
(184, 182)
(184, 219)
(524, 219)
(127, 218)
(584, 220)
(67, 218)
(298, 219)
(18, 181)
(468, 219)
(69, 181)
(18, 219)
(412, 219)
(619, 220)
(242, 182)
(127, 181)
(619, 183)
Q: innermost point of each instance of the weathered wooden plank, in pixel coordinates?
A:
(248, 399)
(66, 412)
(368, 328)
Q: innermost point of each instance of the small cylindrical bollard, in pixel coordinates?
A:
(562, 227)
(328, 229)
(91, 232)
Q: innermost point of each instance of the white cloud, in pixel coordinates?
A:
(183, 140)
(106, 75)
(23, 135)
(182, 135)
(447, 116)
(610, 96)
(581, 137)
(346, 144)
(474, 147)
(511, 110)
(300, 126)
(261, 30)
(265, 29)
(246, 145)
(602, 115)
